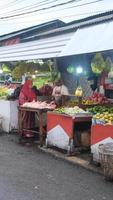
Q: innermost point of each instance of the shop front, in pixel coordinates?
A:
(84, 60)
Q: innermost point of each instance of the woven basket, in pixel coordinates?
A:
(106, 160)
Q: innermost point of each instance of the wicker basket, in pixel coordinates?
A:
(106, 160)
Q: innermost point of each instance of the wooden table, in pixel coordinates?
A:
(39, 115)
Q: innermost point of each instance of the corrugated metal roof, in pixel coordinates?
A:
(90, 39)
(68, 11)
(70, 42)
(72, 27)
(43, 26)
(44, 48)
(93, 19)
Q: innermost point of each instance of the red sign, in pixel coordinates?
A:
(11, 42)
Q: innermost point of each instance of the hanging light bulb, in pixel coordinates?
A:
(33, 76)
(79, 70)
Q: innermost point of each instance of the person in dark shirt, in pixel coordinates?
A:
(37, 92)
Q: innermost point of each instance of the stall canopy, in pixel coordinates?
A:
(93, 38)
(90, 39)
(43, 48)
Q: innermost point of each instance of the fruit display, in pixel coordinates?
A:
(3, 92)
(98, 98)
(6, 91)
(100, 109)
(95, 99)
(106, 117)
(40, 105)
(98, 64)
(70, 111)
(96, 70)
(88, 102)
(102, 114)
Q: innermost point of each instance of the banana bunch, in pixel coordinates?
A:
(96, 70)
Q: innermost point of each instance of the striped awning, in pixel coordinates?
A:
(43, 48)
(95, 38)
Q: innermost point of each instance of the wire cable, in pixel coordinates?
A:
(26, 8)
(35, 5)
(42, 9)
(66, 16)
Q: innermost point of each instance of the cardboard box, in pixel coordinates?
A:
(85, 139)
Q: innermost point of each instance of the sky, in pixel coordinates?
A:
(19, 14)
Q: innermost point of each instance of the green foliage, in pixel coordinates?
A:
(6, 69)
(71, 69)
(54, 73)
(21, 68)
(17, 73)
(40, 81)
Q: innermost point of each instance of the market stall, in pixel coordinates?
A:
(10, 91)
(39, 109)
(8, 110)
(102, 128)
(102, 121)
(68, 128)
(9, 115)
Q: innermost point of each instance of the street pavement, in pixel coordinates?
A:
(26, 173)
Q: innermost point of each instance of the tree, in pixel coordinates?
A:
(6, 69)
(22, 68)
(17, 73)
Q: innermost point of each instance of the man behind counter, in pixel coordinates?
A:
(60, 92)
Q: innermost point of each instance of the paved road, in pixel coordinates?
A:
(28, 174)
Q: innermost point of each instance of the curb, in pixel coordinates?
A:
(72, 160)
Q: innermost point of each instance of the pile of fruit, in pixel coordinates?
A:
(102, 113)
(106, 117)
(88, 102)
(70, 111)
(100, 109)
(73, 103)
(98, 98)
(3, 92)
(95, 99)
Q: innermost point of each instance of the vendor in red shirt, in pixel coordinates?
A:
(27, 94)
